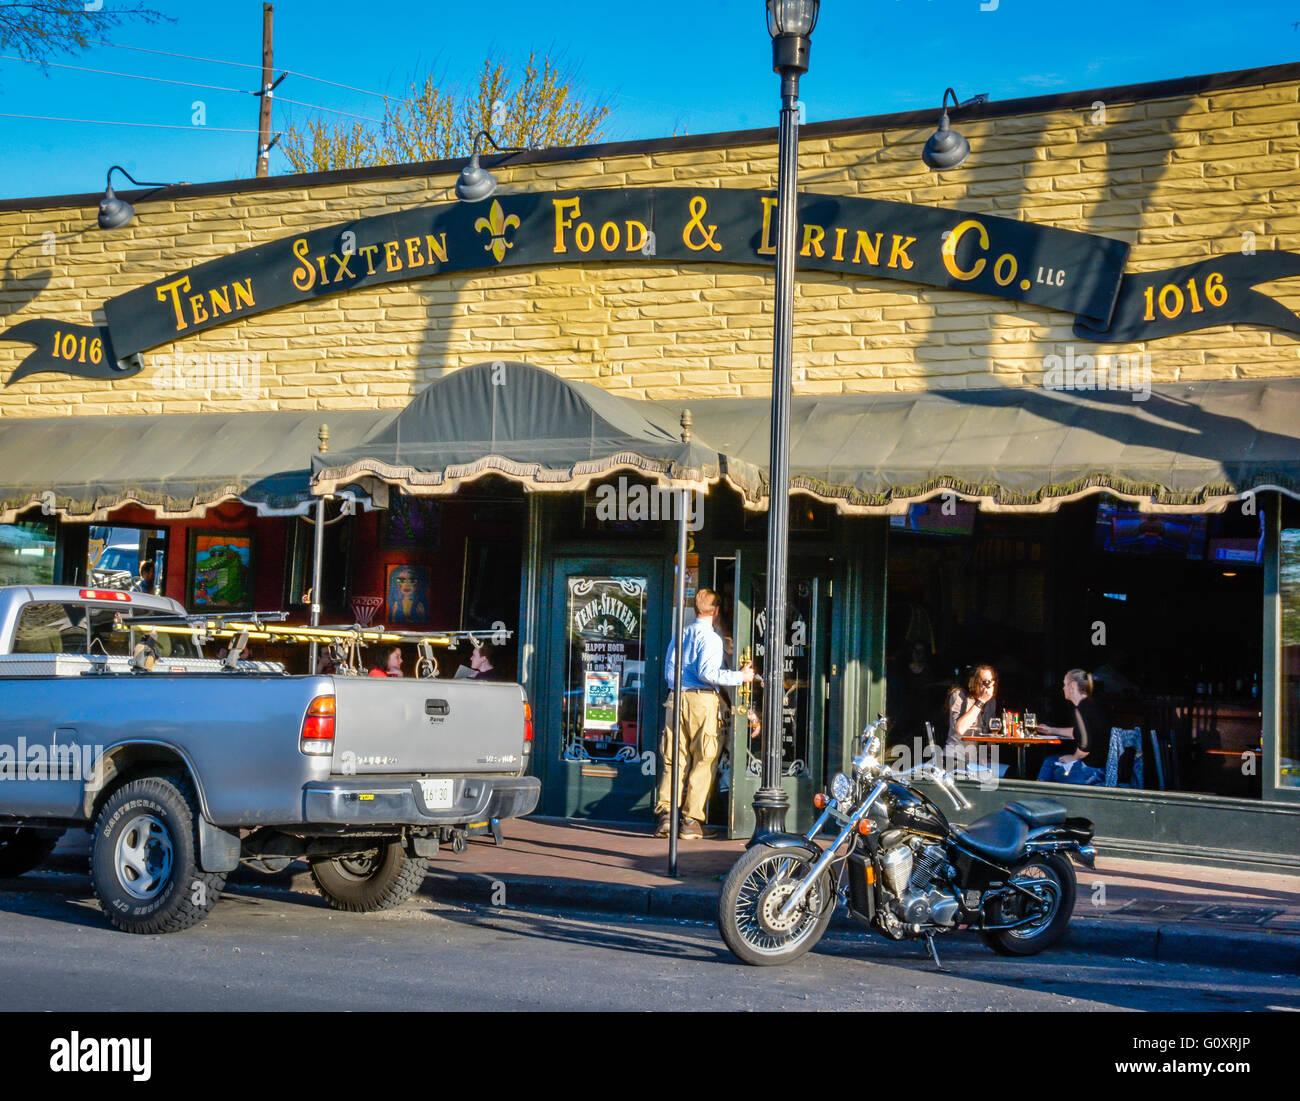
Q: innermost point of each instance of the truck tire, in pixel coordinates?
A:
(365, 882)
(22, 850)
(144, 858)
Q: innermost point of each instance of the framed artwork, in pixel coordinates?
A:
(410, 523)
(408, 594)
(219, 571)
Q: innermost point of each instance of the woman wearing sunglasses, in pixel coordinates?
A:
(970, 710)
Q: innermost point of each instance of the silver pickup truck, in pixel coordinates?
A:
(182, 771)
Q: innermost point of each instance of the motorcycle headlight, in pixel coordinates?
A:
(841, 787)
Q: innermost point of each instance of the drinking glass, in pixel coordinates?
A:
(1031, 724)
(995, 726)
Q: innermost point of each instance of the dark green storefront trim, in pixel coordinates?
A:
(1261, 835)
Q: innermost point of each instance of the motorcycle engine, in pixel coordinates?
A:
(917, 873)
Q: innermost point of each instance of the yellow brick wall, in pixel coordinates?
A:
(1181, 179)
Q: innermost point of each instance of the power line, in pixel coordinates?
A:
(187, 57)
(335, 110)
(129, 76)
(188, 84)
(110, 122)
(246, 65)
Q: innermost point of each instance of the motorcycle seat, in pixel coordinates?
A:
(999, 836)
(1038, 812)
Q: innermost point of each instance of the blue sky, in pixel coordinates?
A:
(662, 68)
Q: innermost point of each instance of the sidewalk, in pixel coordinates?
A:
(1134, 908)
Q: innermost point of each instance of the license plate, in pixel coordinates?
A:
(437, 794)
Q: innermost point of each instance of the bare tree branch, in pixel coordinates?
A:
(39, 31)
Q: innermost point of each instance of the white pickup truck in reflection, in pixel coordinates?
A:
(182, 771)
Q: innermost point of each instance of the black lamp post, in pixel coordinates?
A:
(114, 213)
(790, 22)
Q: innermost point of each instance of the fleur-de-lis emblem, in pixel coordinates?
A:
(496, 224)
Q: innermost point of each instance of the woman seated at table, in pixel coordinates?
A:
(1078, 767)
(969, 711)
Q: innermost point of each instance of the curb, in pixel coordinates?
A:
(1143, 941)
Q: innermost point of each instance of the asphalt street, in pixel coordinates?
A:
(282, 950)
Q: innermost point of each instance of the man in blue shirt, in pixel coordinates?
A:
(702, 674)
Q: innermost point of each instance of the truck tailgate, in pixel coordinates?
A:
(406, 725)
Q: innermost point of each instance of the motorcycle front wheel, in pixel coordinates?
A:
(753, 894)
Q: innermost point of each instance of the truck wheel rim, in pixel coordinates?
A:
(144, 857)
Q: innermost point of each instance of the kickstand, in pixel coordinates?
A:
(929, 943)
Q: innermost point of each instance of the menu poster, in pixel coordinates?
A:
(605, 676)
(600, 701)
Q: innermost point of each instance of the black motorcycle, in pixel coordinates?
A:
(906, 872)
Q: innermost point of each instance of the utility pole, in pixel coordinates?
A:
(264, 113)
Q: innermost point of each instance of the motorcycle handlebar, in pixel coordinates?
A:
(941, 778)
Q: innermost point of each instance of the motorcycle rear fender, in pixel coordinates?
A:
(1074, 837)
(797, 841)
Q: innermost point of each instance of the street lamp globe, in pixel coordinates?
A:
(796, 17)
(790, 23)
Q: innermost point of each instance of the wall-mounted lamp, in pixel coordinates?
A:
(947, 148)
(114, 213)
(476, 182)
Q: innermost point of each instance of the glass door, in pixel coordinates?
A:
(601, 705)
(804, 682)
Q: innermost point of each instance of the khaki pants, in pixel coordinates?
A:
(700, 747)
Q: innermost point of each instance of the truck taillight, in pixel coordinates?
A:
(318, 727)
(105, 594)
(528, 725)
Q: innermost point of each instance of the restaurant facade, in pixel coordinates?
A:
(1046, 415)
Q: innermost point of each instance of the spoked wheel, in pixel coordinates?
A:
(749, 908)
(1051, 880)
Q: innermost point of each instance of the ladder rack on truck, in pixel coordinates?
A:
(239, 629)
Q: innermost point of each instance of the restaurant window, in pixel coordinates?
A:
(1164, 610)
(27, 553)
(1288, 755)
(603, 709)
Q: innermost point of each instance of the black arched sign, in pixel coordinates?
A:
(1077, 273)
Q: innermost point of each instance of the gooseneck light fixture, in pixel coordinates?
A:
(946, 148)
(476, 182)
(790, 23)
(114, 213)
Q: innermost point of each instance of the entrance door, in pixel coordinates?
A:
(806, 685)
(600, 708)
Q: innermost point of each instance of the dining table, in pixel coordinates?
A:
(1019, 742)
